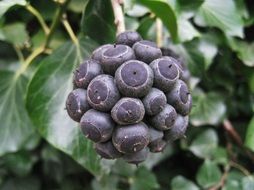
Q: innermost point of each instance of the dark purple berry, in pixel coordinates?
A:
(102, 93)
(86, 72)
(97, 126)
(146, 51)
(157, 146)
(107, 150)
(165, 119)
(115, 56)
(166, 73)
(77, 104)
(128, 111)
(134, 78)
(178, 129)
(137, 157)
(180, 98)
(131, 138)
(154, 101)
(128, 38)
(97, 53)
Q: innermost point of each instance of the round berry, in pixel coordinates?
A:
(178, 129)
(102, 93)
(115, 56)
(97, 126)
(155, 134)
(180, 98)
(146, 51)
(134, 78)
(107, 150)
(97, 53)
(165, 119)
(131, 138)
(166, 73)
(157, 146)
(86, 72)
(137, 157)
(154, 101)
(77, 104)
(128, 38)
(128, 111)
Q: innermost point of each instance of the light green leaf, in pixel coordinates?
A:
(233, 181)
(6, 4)
(248, 183)
(16, 127)
(209, 109)
(246, 53)
(249, 140)
(46, 98)
(15, 33)
(143, 179)
(107, 182)
(221, 14)
(137, 11)
(205, 144)
(181, 183)
(77, 5)
(165, 12)
(208, 174)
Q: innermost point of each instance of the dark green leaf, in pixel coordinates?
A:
(249, 140)
(208, 174)
(98, 21)
(223, 15)
(165, 12)
(46, 98)
(16, 127)
(6, 4)
(181, 183)
(209, 109)
(143, 179)
(205, 144)
(186, 5)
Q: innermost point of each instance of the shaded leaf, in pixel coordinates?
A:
(208, 174)
(209, 109)
(249, 140)
(143, 179)
(181, 183)
(48, 90)
(165, 12)
(248, 183)
(107, 182)
(233, 181)
(27, 183)
(205, 144)
(223, 15)
(98, 21)
(16, 127)
(6, 4)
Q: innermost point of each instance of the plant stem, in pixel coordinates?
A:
(19, 53)
(159, 32)
(119, 16)
(56, 21)
(69, 30)
(43, 24)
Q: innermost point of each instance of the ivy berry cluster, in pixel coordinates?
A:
(130, 98)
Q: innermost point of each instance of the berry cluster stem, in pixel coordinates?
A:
(119, 16)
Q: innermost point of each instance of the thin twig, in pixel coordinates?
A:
(43, 24)
(240, 167)
(69, 30)
(223, 178)
(159, 32)
(119, 16)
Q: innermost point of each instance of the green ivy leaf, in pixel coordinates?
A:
(209, 109)
(208, 174)
(143, 179)
(165, 12)
(15, 33)
(46, 98)
(98, 21)
(181, 183)
(223, 15)
(205, 144)
(233, 181)
(249, 140)
(16, 127)
(6, 4)
(248, 183)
